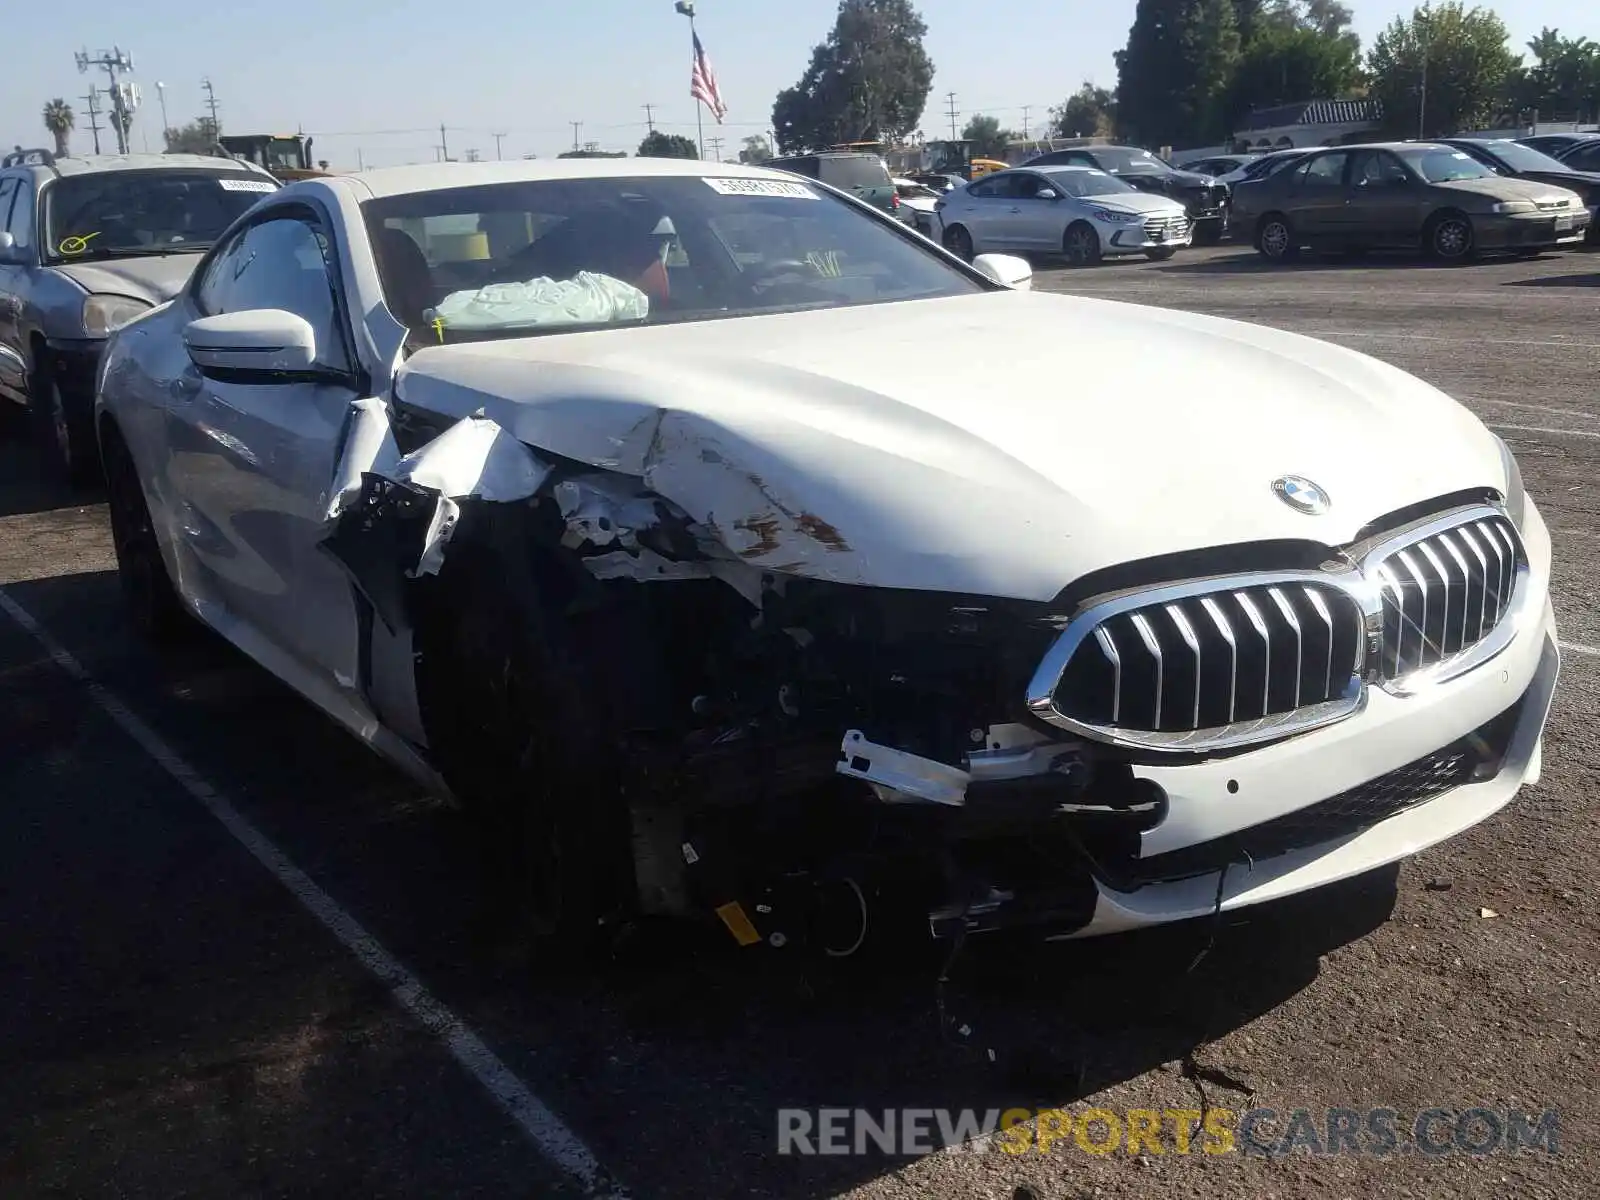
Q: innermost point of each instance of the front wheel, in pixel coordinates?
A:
(1161, 255)
(1450, 238)
(150, 599)
(1081, 244)
(1275, 238)
(64, 423)
(959, 242)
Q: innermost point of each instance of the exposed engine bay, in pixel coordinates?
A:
(799, 755)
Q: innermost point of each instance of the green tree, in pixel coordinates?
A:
(1284, 63)
(59, 120)
(197, 137)
(1564, 77)
(987, 138)
(1089, 112)
(1463, 56)
(595, 154)
(868, 82)
(1173, 77)
(667, 145)
(756, 149)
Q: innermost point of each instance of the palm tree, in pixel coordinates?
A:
(59, 120)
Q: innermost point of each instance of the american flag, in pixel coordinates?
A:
(703, 83)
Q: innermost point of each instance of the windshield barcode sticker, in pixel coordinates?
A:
(247, 185)
(761, 187)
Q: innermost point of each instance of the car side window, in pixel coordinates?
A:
(1586, 159)
(21, 222)
(1323, 171)
(8, 189)
(987, 189)
(1030, 187)
(283, 262)
(1377, 168)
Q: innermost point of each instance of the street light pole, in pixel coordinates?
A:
(161, 92)
(686, 7)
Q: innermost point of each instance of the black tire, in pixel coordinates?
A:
(1081, 244)
(959, 242)
(1275, 238)
(520, 729)
(64, 425)
(1161, 255)
(1450, 238)
(150, 599)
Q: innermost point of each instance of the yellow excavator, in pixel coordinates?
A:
(287, 156)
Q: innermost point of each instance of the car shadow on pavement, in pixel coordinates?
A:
(1248, 262)
(682, 1040)
(26, 484)
(1577, 281)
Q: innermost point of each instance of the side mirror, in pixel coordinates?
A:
(1006, 269)
(11, 255)
(265, 341)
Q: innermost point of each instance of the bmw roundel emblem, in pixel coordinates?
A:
(1300, 494)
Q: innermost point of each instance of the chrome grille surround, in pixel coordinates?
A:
(1186, 660)
(1168, 227)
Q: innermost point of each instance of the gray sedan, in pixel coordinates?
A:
(1080, 212)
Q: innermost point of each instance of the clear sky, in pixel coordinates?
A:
(379, 78)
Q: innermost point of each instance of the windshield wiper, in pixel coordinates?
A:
(134, 252)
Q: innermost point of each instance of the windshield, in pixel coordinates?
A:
(109, 214)
(284, 152)
(546, 256)
(1088, 183)
(1523, 158)
(1121, 158)
(856, 171)
(1445, 166)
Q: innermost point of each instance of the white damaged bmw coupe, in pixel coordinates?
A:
(673, 516)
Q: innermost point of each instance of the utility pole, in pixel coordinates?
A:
(111, 62)
(576, 125)
(1026, 109)
(716, 147)
(94, 125)
(212, 106)
(361, 162)
(444, 145)
(951, 96)
(497, 139)
(650, 116)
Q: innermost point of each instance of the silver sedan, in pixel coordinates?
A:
(1080, 212)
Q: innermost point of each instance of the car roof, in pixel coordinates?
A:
(89, 164)
(1062, 169)
(435, 177)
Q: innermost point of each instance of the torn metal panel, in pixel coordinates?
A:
(369, 446)
(475, 457)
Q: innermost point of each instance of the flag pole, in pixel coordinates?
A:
(699, 105)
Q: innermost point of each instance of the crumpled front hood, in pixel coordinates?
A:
(154, 280)
(1000, 444)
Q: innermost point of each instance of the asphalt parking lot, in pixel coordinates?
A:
(240, 957)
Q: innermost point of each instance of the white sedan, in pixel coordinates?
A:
(1080, 212)
(671, 515)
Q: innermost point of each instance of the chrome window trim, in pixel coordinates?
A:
(1363, 573)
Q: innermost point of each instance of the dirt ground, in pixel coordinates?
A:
(173, 1021)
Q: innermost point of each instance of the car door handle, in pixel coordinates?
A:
(1015, 209)
(185, 387)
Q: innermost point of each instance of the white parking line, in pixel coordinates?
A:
(542, 1127)
(1559, 343)
(1586, 433)
(1580, 648)
(1544, 408)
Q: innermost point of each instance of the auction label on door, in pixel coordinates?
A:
(761, 187)
(247, 185)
